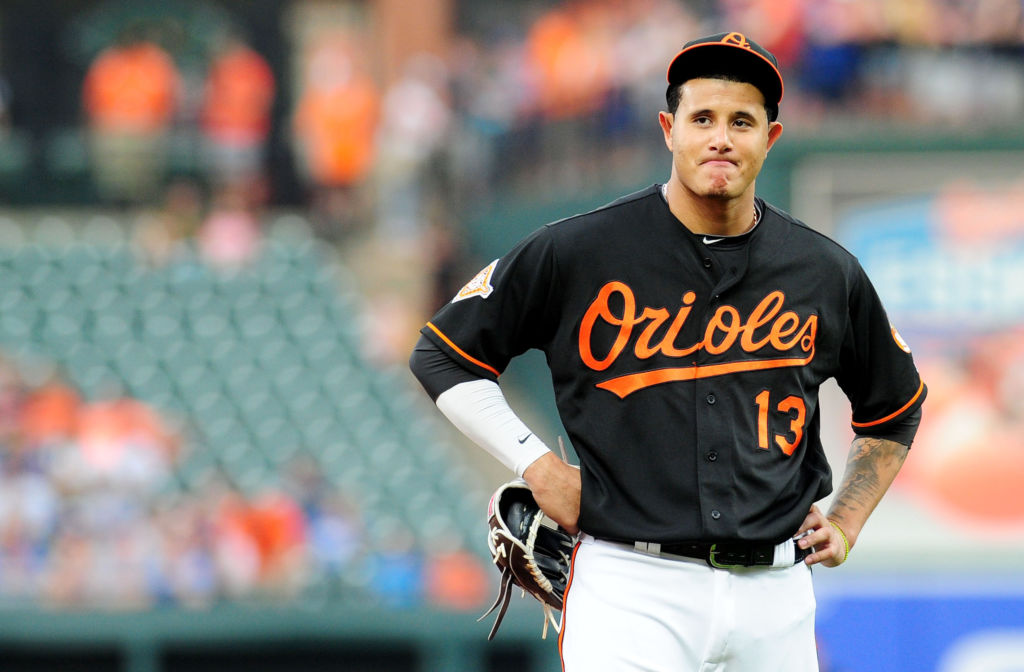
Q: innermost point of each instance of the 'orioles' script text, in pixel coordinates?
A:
(767, 325)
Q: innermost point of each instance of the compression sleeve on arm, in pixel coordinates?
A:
(435, 370)
(480, 411)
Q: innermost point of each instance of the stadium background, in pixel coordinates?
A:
(222, 223)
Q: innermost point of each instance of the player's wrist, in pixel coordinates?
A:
(538, 472)
(844, 537)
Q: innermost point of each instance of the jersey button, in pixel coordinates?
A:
(710, 399)
(712, 456)
(716, 514)
(707, 262)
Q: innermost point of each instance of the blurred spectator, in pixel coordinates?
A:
(335, 126)
(183, 571)
(415, 120)
(49, 414)
(334, 534)
(66, 576)
(235, 118)
(235, 549)
(278, 525)
(568, 50)
(122, 442)
(230, 236)
(130, 95)
(162, 236)
(397, 567)
(457, 579)
(260, 544)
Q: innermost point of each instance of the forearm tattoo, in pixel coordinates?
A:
(870, 469)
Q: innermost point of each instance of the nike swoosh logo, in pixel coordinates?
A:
(712, 241)
(522, 439)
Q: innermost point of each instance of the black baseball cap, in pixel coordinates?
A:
(732, 54)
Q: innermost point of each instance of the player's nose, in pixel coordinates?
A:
(721, 140)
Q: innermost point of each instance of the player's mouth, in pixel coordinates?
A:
(718, 163)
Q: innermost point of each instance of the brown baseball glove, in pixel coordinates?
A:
(531, 551)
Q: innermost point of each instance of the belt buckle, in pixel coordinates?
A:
(713, 559)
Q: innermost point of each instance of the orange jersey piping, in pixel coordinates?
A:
(565, 597)
(462, 352)
(907, 405)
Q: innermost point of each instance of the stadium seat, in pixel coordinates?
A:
(263, 365)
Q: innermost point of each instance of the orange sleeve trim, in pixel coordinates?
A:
(907, 405)
(462, 352)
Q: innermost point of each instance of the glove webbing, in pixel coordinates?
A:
(505, 597)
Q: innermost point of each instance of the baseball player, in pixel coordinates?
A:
(687, 328)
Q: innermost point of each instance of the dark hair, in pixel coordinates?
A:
(674, 93)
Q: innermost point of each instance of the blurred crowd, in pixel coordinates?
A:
(546, 97)
(92, 515)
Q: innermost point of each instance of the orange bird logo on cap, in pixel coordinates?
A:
(739, 39)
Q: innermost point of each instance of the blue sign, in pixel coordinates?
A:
(893, 630)
(932, 275)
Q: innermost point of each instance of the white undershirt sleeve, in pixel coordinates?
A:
(479, 410)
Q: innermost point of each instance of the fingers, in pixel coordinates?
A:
(818, 534)
(825, 553)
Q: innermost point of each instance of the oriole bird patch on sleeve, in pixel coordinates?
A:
(480, 285)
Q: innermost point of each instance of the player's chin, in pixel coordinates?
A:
(719, 192)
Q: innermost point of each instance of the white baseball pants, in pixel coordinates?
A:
(630, 612)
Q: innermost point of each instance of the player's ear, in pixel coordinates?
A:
(666, 120)
(774, 131)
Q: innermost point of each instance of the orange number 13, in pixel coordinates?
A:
(789, 406)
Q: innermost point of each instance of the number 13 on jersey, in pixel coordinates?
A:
(794, 408)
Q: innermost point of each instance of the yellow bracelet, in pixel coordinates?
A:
(846, 542)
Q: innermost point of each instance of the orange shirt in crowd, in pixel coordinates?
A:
(336, 126)
(238, 97)
(457, 580)
(570, 65)
(278, 526)
(49, 413)
(107, 428)
(133, 88)
(271, 528)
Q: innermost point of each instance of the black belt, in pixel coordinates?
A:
(725, 555)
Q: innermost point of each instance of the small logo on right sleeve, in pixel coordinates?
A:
(480, 285)
(899, 339)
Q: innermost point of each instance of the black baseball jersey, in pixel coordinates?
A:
(687, 373)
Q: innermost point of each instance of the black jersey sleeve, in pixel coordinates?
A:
(902, 430)
(877, 371)
(503, 311)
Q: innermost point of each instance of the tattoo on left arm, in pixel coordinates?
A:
(870, 470)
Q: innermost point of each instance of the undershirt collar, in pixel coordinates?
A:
(725, 240)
